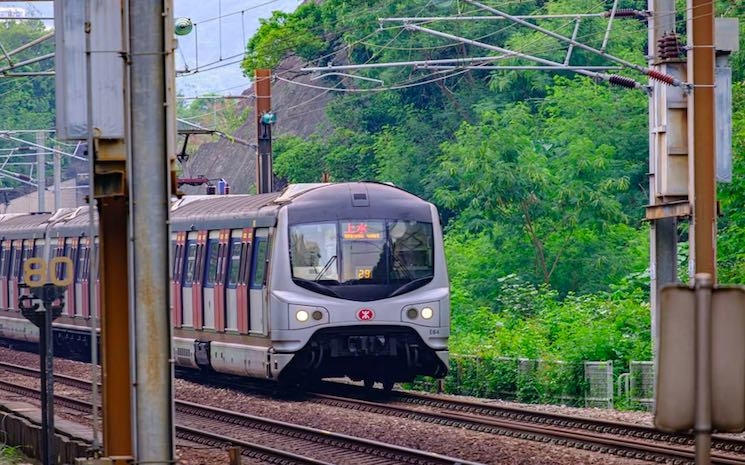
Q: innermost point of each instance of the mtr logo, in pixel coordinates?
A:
(365, 314)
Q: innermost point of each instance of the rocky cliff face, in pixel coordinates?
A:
(300, 111)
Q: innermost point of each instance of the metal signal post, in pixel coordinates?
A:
(264, 121)
(51, 294)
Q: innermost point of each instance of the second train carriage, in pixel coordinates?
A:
(319, 280)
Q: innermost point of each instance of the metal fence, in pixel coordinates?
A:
(585, 384)
(637, 386)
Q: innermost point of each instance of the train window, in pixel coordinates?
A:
(259, 262)
(245, 263)
(70, 251)
(177, 260)
(412, 250)
(191, 258)
(313, 251)
(221, 263)
(4, 260)
(94, 259)
(26, 252)
(212, 261)
(363, 251)
(81, 270)
(234, 265)
(172, 257)
(396, 255)
(15, 259)
(199, 264)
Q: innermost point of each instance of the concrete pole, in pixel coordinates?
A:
(702, 134)
(41, 181)
(663, 232)
(149, 182)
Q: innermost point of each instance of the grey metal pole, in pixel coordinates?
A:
(46, 343)
(41, 181)
(58, 181)
(702, 424)
(149, 212)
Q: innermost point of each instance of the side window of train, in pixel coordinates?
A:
(94, 259)
(60, 252)
(245, 268)
(15, 260)
(234, 265)
(4, 259)
(81, 270)
(191, 257)
(16, 265)
(62, 269)
(178, 258)
(212, 259)
(26, 251)
(259, 262)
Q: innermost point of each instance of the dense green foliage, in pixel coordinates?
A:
(541, 178)
(28, 101)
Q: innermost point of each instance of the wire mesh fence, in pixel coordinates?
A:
(580, 384)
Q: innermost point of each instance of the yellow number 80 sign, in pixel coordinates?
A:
(35, 271)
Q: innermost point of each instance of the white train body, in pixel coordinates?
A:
(320, 280)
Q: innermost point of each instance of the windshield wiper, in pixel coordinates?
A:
(411, 285)
(325, 268)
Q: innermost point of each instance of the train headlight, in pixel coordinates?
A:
(412, 313)
(427, 313)
(306, 316)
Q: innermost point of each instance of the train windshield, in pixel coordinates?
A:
(362, 259)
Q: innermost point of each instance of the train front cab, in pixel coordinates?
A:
(317, 335)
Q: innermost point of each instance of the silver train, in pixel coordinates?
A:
(316, 281)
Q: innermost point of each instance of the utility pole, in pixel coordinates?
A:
(668, 154)
(41, 181)
(264, 121)
(152, 123)
(701, 124)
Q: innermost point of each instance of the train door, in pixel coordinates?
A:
(5, 259)
(209, 290)
(82, 294)
(236, 292)
(177, 272)
(222, 260)
(198, 282)
(190, 262)
(257, 294)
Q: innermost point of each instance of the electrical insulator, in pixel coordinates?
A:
(622, 81)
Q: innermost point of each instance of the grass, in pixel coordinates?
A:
(10, 455)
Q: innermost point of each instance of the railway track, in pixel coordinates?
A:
(261, 439)
(624, 440)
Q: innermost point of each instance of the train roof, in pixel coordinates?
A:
(34, 225)
(305, 203)
(357, 200)
(196, 213)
